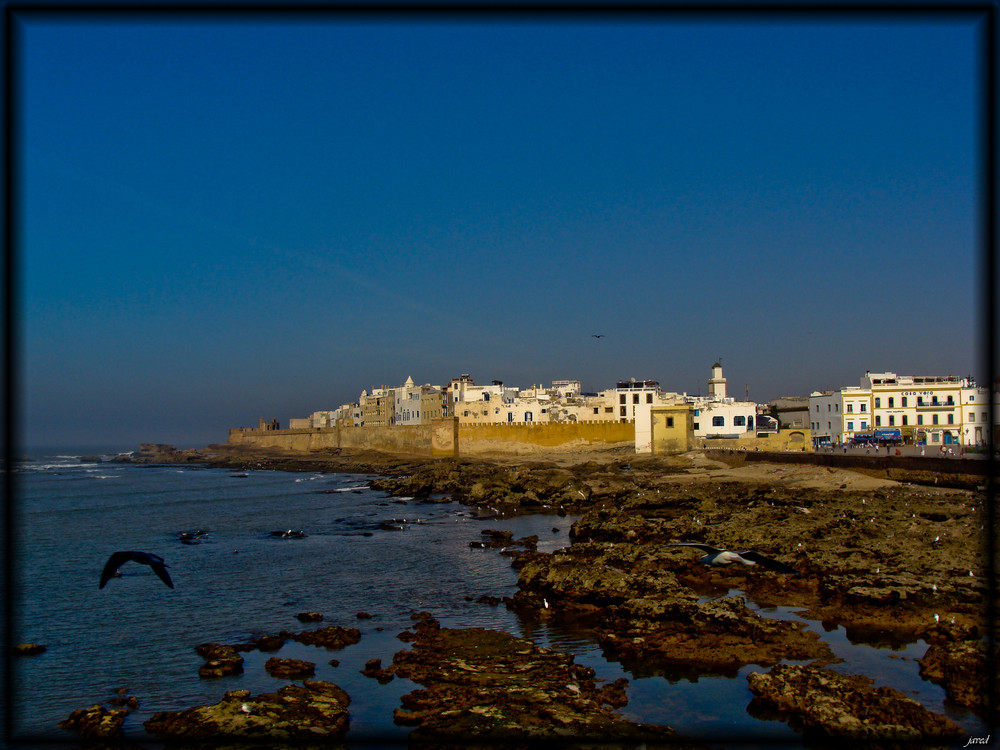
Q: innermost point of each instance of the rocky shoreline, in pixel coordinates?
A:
(890, 562)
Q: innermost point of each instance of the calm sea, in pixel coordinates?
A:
(241, 582)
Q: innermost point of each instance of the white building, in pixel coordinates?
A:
(418, 404)
(718, 415)
(912, 409)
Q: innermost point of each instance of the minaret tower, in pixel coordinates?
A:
(717, 383)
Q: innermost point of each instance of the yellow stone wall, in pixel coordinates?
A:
(671, 429)
(793, 439)
(525, 438)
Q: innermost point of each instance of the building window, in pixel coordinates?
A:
(878, 421)
(920, 419)
(850, 426)
(623, 410)
(934, 401)
(621, 399)
(697, 412)
(892, 420)
(670, 421)
(864, 425)
(934, 419)
(920, 400)
(718, 421)
(649, 398)
(510, 416)
(906, 420)
(739, 421)
(596, 410)
(864, 408)
(528, 416)
(892, 402)
(635, 398)
(972, 416)
(878, 403)
(904, 402)
(951, 419)
(697, 426)
(951, 401)
(850, 408)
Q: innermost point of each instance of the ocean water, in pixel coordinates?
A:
(241, 582)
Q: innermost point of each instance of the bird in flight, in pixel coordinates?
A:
(118, 559)
(597, 335)
(718, 556)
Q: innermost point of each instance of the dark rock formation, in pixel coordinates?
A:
(96, 722)
(292, 668)
(309, 617)
(28, 649)
(373, 668)
(489, 686)
(220, 660)
(312, 714)
(270, 642)
(332, 636)
(960, 667)
(847, 707)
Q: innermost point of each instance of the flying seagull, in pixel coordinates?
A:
(718, 556)
(597, 335)
(118, 559)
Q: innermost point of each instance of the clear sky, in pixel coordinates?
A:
(224, 218)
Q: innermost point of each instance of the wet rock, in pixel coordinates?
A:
(309, 617)
(28, 649)
(486, 685)
(847, 707)
(220, 660)
(314, 713)
(373, 668)
(292, 668)
(493, 539)
(363, 616)
(960, 668)
(333, 636)
(270, 643)
(718, 636)
(96, 722)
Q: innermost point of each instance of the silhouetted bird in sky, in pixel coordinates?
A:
(718, 556)
(597, 335)
(118, 559)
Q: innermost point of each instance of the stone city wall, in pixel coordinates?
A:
(526, 437)
(443, 437)
(411, 439)
(793, 439)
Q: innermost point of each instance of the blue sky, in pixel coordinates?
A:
(229, 217)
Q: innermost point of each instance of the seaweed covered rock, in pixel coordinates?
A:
(220, 660)
(490, 686)
(96, 722)
(292, 668)
(830, 704)
(332, 636)
(312, 713)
